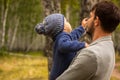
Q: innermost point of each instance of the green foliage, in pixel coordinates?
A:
(25, 14)
(63, 6)
(117, 57)
(75, 21)
(117, 2)
(118, 28)
(74, 11)
(29, 13)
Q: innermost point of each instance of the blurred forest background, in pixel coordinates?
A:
(17, 21)
(19, 17)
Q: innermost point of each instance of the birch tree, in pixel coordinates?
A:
(14, 34)
(5, 8)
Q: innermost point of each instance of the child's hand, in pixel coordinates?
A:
(84, 22)
(86, 45)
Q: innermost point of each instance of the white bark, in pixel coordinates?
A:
(14, 34)
(4, 22)
(68, 12)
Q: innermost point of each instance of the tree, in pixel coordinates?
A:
(14, 33)
(5, 8)
(22, 17)
(116, 36)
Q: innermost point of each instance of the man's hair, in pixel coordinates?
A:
(109, 15)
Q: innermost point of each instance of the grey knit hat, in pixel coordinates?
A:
(52, 25)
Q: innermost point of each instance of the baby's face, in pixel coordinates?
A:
(67, 26)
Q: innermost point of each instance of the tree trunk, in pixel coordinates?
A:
(47, 5)
(5, 13)
(14, 34)
(68, 12)
(57, 6)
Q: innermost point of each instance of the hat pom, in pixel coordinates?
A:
(39, 28)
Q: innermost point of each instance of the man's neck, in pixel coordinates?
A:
(99, 33)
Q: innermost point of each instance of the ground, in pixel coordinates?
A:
(20, 67)
(26, 67)
(116, 72)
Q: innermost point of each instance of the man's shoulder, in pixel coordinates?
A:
(87, 52)
(98, 49)
(89, 49)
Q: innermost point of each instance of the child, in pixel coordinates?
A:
(66, 43)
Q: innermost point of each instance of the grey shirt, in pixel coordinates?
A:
(95, 62)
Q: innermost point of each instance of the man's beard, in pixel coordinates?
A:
(90, 30)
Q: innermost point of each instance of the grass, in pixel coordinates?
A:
(117, 57)
(118, 61)
(118, 68)
(23, 68)
(32, 67)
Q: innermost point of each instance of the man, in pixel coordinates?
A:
(97, 61)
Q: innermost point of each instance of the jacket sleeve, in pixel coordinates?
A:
(77, 33)
(66, 45)
(83, 67)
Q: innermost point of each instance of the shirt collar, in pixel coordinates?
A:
(105, 38)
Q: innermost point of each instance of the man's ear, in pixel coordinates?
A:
(97, 21)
